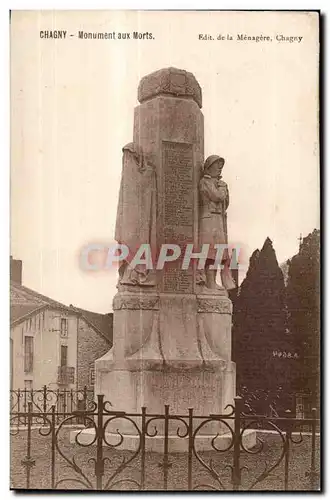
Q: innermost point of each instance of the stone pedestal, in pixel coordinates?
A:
(172, 341)
(169, 349)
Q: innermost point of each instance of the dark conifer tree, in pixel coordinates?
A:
(259, 324)
(303, 302)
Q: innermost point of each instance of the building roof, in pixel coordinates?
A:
(19, 311)
(25, 302)
(21, 295)
(101, 322)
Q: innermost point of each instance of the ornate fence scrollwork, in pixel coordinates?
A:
(110, 449)
(66, 401)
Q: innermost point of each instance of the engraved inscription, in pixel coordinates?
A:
(178, 280)
(178, 182)
(178, 211)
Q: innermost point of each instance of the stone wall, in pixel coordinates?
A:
(91, 346)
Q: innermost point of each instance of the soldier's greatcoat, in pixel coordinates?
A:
(214, 200)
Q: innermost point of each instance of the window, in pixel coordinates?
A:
(28, 354)
(64, 327)
(64, 355)
(28, 385)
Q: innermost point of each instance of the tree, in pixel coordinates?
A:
(259, 324)
(303, 302)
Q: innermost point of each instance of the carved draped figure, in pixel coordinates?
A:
(136, 213)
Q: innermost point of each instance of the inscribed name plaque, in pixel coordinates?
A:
(178, 182)
(177, 280)
(178, 211)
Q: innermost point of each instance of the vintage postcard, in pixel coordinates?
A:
(165, 250)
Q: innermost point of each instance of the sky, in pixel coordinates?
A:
(72, 105)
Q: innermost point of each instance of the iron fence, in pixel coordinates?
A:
(42, 400)
(116, 450)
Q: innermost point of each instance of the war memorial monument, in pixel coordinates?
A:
(172, 326)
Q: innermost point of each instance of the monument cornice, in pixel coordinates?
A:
(170, 82)
(218, 305)
(135, 302)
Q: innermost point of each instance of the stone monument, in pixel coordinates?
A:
(172, 326)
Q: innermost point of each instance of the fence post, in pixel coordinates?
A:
(45, 398)
(166, 464)
(31, 396)
(237, 444)
(143, 445)
(19, 401)
(24, 406)
(313, 475)
(65, 392)
(190, 447)
(19, 405)
(58, 402)
(85, 397)
(53, 448)
(288, 432)
(27, 462)
(99, 463)
(71, 402)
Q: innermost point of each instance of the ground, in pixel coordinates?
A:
(299, 465)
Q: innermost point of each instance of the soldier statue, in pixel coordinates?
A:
(214, 201)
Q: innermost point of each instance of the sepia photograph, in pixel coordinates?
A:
(165, 330)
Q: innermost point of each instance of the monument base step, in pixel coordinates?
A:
(156, 444)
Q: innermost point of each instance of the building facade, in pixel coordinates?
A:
(53, 344)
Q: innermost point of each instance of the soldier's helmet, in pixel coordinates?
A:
(212, 159)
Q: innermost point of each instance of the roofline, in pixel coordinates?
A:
(25, 316)
(96, 329)
(39, 309)
(66, 309)
(82, 315)
(53, 304)
(40, 295)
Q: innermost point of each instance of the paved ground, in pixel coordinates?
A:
(177, 473)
